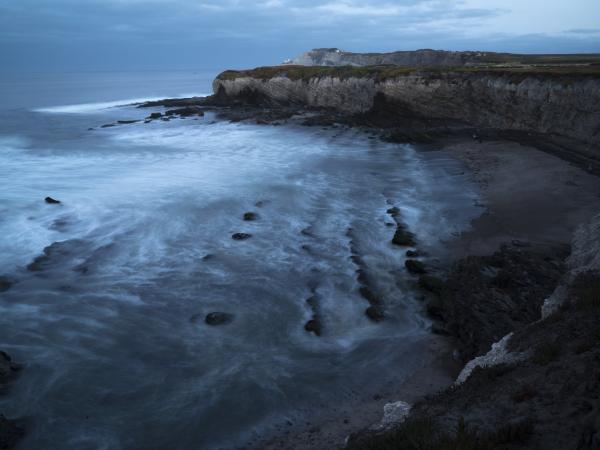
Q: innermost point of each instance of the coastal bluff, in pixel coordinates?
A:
(556, 101)
(431, 57)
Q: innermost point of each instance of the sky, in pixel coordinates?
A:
(41, 35)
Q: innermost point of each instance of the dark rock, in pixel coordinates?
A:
(431, 284)
(108, 125)
(250, 216)
(155, 115)
(375, 313)
(394, 211)
(218, 318)
(412, 253)
(240, 236)
(208, 257)
(486, 297)
(10, 433)
(174, 102)
(127, 122)
(313, 326)
(51, 201)
(185, 112)
(414, 266)
(8, 369)
(403, 237)
(548, 400)
(369, 296)
(55, 252)
(6, 283)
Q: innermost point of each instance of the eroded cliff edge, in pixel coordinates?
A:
(554, 101)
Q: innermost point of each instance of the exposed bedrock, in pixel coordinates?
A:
(542, 389)
(541, 101)
(10, 431)
(486, 297)
(429, 57)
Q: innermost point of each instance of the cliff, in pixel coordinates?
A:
(539, 387)
(428, 57)
(563, 101)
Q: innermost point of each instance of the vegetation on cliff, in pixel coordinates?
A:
(386, 72)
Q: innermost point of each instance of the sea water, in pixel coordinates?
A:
(110, 327)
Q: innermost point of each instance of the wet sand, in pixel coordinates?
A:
(530, 196)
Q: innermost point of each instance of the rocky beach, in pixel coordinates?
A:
(534, 155)
(470, 235)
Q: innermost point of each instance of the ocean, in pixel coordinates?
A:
(109, 322)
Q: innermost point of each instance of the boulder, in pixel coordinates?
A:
(53, 254)
(375, 313)
(240, 236)
(218, 318)
(8, 368)
(313, 326)
(394, 211)
(51, 201)
(155, 115)
(250, 216)
(403, 237)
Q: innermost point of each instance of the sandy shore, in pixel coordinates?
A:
(530, 198)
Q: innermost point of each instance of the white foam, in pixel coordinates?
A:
(84, 108)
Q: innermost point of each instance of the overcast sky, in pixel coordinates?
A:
(194, 34)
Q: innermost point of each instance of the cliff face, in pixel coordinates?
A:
(556, 103)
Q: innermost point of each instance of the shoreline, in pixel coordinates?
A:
(534, 201)
(535, 193)
(497, 167)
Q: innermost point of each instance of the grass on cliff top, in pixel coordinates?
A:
(386, 72)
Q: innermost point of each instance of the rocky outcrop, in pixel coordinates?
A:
(486, 297)
(218, 318)
(426, 57)
(10, 431)
(539, 386)
(563, 102)
(584, 258)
